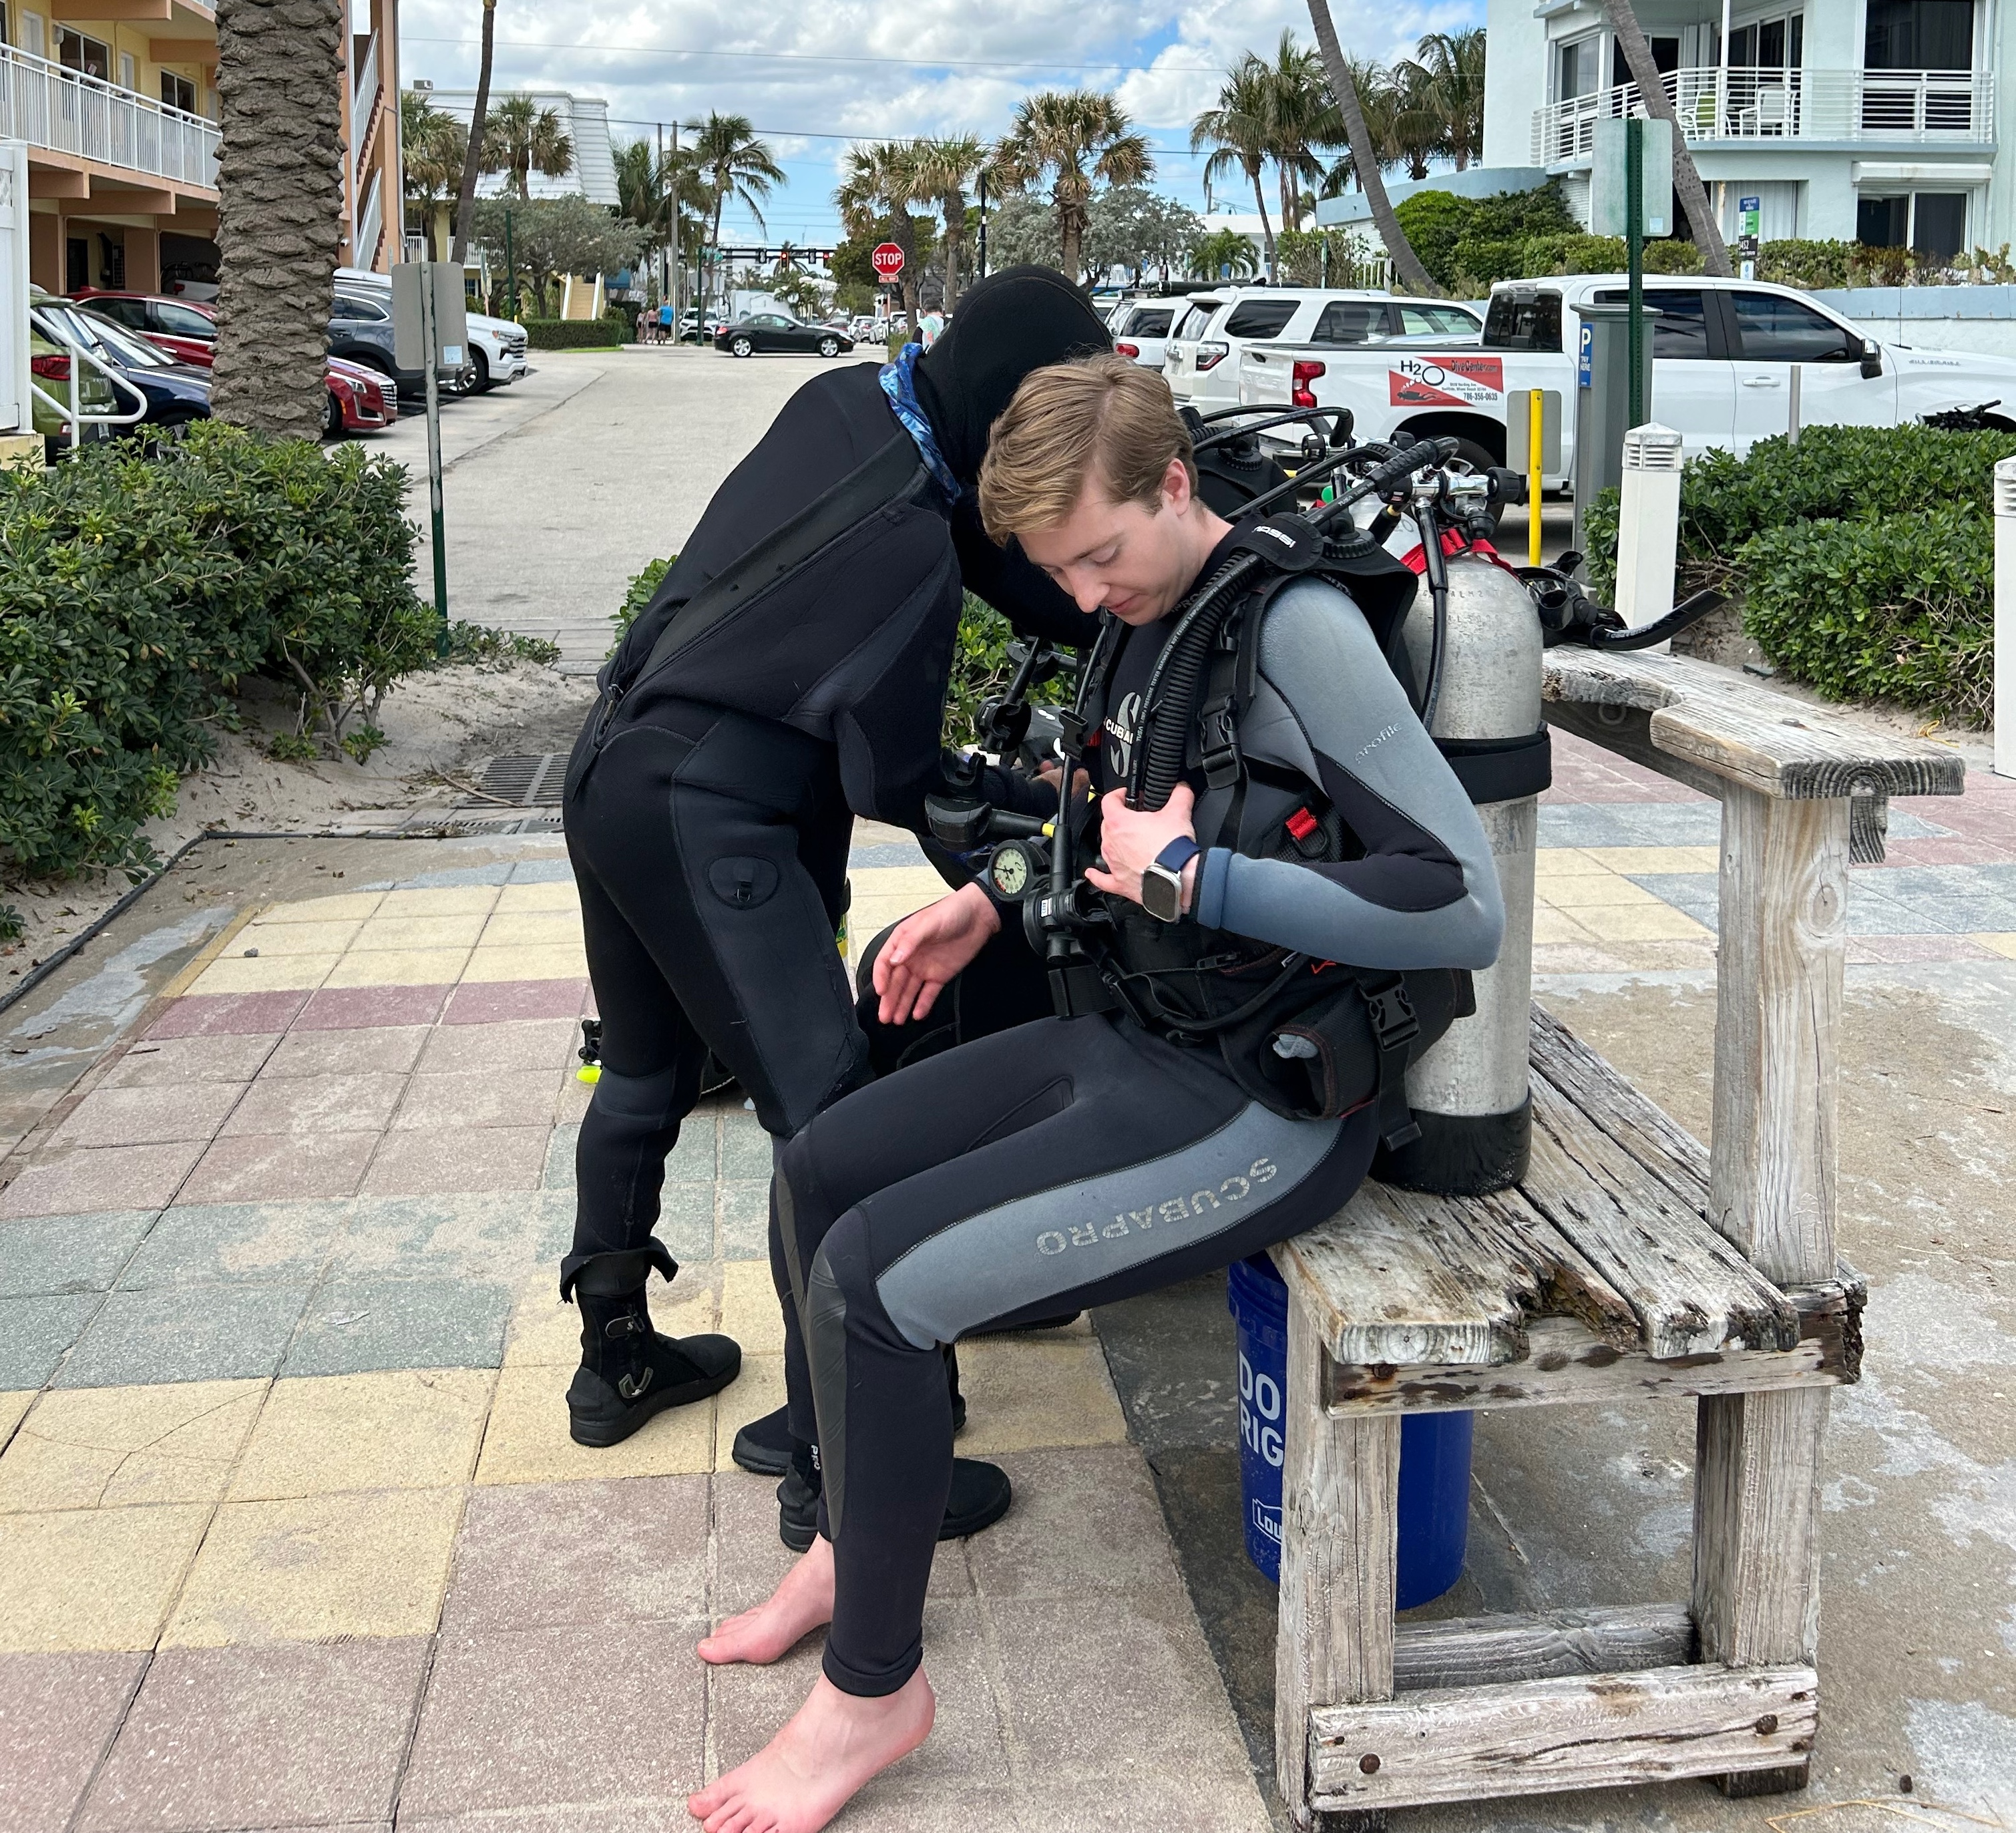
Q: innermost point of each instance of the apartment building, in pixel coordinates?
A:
(584, 120)
(1875, 121)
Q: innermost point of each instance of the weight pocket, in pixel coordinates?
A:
(742, 883)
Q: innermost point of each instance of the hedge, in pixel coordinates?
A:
(601, 333)
(141, 588)
(1847, 579)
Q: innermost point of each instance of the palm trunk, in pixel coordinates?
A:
(955, 226)
(1686, 175)
(279, 209)
(1071, 236)
(906, 238)
(1414, 276)
(465, 205)
(1266, 228)
(1290, 218)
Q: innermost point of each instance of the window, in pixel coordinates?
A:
(1769, 44)
(1519, 320)
(1774, 330)
(182, 321)
(1260, 318)
(6, 25)
(364, 310)
(178, 92)
(1440, 320)
(130, 312)
(1575, 68)
(1931, 223)
(1151, 321)
(75, 51)
(126, 71)
(1681, 329)
(1666, 56)
(1350, 321)
(1196, 318)
(1919, 34)
(34, 35)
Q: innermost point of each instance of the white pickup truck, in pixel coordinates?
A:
(1722, 353)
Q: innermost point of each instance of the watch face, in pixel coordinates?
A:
(1161, 894)
(1008, 870)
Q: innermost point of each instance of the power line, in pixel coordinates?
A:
(921, 62)
(630, 120)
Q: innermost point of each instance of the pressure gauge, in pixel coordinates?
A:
(1015, 869)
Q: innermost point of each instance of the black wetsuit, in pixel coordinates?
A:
(1074, 1162)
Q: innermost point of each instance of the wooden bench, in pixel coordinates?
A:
(1629, 1262)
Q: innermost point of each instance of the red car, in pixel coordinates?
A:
(184, 328)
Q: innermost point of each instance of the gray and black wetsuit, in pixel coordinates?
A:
(1069, 1163)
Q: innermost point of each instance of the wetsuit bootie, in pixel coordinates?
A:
(763, 1446)
(629, 1373)
(980, 1494)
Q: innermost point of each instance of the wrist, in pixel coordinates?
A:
(979, 906)
(1189, 879)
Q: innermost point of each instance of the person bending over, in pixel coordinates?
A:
(1075, 1161)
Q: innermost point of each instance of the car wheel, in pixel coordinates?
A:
(332, 421)
(479, 383)
(828, 346)
(741, 347)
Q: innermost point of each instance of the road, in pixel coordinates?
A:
(557, 490)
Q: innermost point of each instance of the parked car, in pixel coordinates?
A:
(360, 331)
(775, 330)
(1141, 328)
(496, 346)
(49, 364)
(360, 400)
(175, 393)
(865, 329)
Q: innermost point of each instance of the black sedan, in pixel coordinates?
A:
(175, 393)
(773, 330)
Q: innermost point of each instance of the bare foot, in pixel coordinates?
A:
(817, 1764)
(797, 1606)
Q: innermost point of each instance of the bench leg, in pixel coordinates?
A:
(1757, 1572)
(1340, 1494)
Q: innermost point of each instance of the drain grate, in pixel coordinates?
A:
(531, 780)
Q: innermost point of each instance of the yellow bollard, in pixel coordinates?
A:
(1535, 407)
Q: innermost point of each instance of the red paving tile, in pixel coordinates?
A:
(271, 1168)
(489, 1002)
(354, 1008)
(57, 1714)
(472, 1160)
(212, 1014)
(151, 1115)
(101, 1177)
(1894, 950)
(1957, 849)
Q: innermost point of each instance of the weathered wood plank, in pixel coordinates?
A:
(1340, 1499)
(1627, 730)
(1497, 1650)
(1603, 1097)
(1602, 1731)
(1567, 1365)
(1399, 1277)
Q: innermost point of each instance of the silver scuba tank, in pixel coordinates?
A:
(1469, 1092)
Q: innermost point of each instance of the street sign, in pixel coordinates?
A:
(1606, 178)
(1584, 350)
(1751, 210)
(888, 259)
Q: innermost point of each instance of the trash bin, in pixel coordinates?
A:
(1434, 1450)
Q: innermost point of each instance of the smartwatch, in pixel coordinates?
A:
(1162, 883)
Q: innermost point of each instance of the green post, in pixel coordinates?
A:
(1634, 255)
(430, 346)
(510, 266)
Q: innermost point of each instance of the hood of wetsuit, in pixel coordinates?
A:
(1019, 319)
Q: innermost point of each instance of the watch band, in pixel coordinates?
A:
(1162, 883)
(1178, 854)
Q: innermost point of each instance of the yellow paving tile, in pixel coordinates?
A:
(1638, 923)
(1551, 925)
(268, 973)
(545, 1333)
(758, 1389)
(560, 895)
(549, 962)
(399, 967)
(1659, 858)
(1583, 957)
(2002, 945)
(748, 1309)
(293, 938)
(528, 1441)
(898, 881)
(441, 900)
(1563, 862)
(316, 1567)
(392, 1429)
(111, 1447)
(92, 1578)
(1663, 956)
(344, 907)
(1022, 1392)
(532, 929)
(459, 931)
(11, 1407)
(1578, 892)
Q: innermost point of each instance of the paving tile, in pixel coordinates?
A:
(498, 1001)
(545, 1333)
(344, 907)
(485, 1235)
(277, 1167)
(1023, 1391)
(533, 929)
(746, 1149)
(121, 1447)
(1553, 928)
(515, 1044)
(554, 894)
(57, 1715)
(184, 1333)
(208, 1244)
(528, 1442)
(68, 1253)
(14, 1408)
(35, 1332)
(454, 877)
(470, 1099)
(757, 1390)
(384, 932)
(1633, 861)
(1870, 914)
(1565, 863)
(2004, 945)
(399, 967)
(360, 1008)
(1576, 958)
(92, 1578)
(456, 900)
(359, 1103)
(354, 1325)
(180, 1061)
(228, 1014)
(473, 1159)
(532, 961)
(1131, 1796)
(327, 936)
(1692, 821)
(266, 973)
(472, 1751)
(750, 1310)
(1651, 921)
(1895, 948)
(261, 1737)
(571, 1104)
(1084, 1522)
(745, 1218)
(558, 1174)
(558, 869)
(1699, 893)
(380, 1049)
(545, 1554)
(388, 1429)
(101, 1178)
(1573, 893)
(312, 1568)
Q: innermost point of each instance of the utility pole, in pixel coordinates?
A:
(677, 272)
(662, 293)
(983, 222)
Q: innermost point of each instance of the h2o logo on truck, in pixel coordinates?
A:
(1447, 381)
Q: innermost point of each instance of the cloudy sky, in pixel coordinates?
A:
(814, 77)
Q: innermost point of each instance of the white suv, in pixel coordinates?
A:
(496, 346)
(1141, 328)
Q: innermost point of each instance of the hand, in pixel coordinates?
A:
(1050, 771)
(928, 948)
(1131, 838)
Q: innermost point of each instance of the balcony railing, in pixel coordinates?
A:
(66, 111)
(1767, 105)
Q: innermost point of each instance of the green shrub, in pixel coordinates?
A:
(638, 596)
(980, 669)
(1439, 223)
(574, 333)
(1480, 260)
(1800, 262)
(1670, 255)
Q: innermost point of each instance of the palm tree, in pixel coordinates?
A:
(1075, 139)
(1224, 248)
(465, 204)
(1686, 175)
(1452, 66)
(432, 149)
(1300, 117)
(521, 138)
(279, 209)
(884, 179)
(1237, 127)
(1365, 157)
(1378, 101)
(1419, 128)
(943, 168)
(735, 164)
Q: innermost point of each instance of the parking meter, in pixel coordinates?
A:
(1603, 405)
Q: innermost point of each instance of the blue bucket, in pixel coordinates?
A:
(1434, 1451)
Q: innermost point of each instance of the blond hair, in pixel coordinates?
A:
(1103, 410)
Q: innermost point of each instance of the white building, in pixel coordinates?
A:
(1868, 119)
(584, 119)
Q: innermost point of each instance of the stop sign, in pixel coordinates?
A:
(888, 259)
